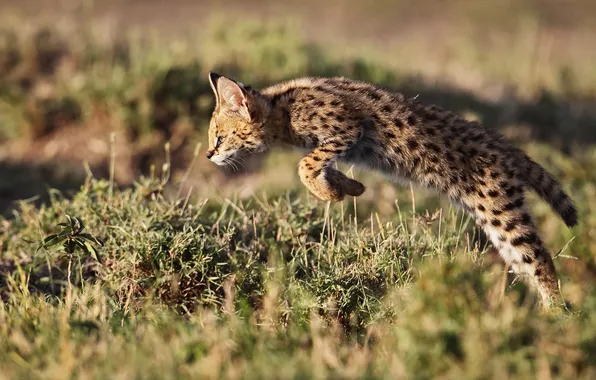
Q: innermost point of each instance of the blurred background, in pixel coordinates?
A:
(72, 73)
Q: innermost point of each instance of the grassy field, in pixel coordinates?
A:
(178, 269)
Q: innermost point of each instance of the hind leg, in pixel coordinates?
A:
(506, 221)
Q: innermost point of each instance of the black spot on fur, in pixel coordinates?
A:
(510, 226)
(329, 150)
(513, 205)
(525, 219)
(412, 143)
(527, 259)
(510, 191)
(433, 147)
(530, 238)
(496, 222)
(275, 99)
(373, 95)
(538, 252)
(493, 193)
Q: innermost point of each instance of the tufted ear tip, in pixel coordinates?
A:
(213, 78)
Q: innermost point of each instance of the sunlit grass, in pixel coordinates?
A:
(268, 287)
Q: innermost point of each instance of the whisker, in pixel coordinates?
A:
(236, 161)
(234, 164)
(240, 161)
(231, 163)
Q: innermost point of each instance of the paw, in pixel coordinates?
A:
(325, 189)
(329, 184)
(332, 185)
(352, 187)
(346, 185)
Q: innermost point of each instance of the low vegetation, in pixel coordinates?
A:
(272, 288)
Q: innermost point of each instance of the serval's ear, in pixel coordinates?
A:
(233, 97)
(213, 78)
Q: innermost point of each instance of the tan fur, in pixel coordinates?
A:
(356, 122)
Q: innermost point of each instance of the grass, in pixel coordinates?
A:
(210, 274)
(275, 288)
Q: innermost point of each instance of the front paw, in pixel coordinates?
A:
(339, 180)
(326, 188)
(352, 187)
(330, 184)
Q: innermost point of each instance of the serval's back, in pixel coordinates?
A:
(359, 123)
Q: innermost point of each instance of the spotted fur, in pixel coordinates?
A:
(356, 122)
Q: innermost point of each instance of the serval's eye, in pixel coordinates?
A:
(217, 141)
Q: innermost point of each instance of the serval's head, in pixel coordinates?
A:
(237, 124)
